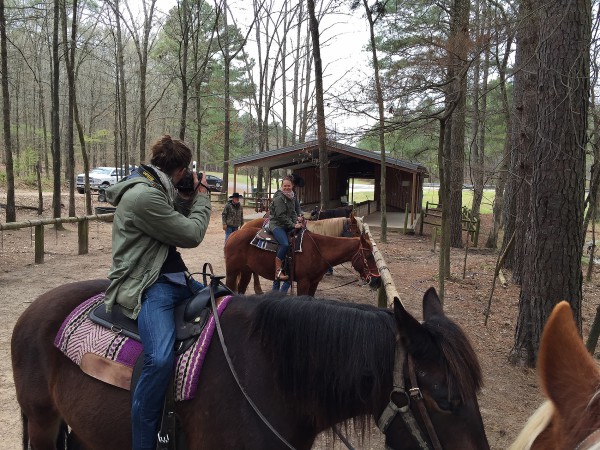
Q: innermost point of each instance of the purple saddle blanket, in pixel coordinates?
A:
(110, 356)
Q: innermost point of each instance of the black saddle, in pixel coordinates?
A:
(190, 317)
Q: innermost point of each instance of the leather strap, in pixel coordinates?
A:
(415, 394)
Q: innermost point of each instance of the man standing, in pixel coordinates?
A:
(233, 215)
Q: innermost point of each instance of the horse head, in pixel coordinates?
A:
(436, 389)
(364, 263)
(570, 379)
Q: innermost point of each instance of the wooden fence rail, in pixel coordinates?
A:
(38, 225)
(387, 291)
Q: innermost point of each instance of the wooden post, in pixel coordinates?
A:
(83, 236)
(406, 219)
(477, 226)
(39, 244)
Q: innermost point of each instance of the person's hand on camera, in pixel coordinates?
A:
(298, 225)
(201, 187)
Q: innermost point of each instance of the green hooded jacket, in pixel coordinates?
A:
(282, 212)
(146, 223)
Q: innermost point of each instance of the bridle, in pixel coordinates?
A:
(366, 273)
(413, 393)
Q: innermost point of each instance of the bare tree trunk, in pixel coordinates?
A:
(123, 133)
(321, 131)
(296, 87)
(516, 209)
(56, 160)
(458, 49)
(11, 215)
(553, 258)
(183, 62)
(69, 54)
(492, 240)
(381, 130)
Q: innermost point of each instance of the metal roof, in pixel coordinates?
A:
(306, 154)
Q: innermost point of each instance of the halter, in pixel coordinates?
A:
(366, 273)
(413, 393)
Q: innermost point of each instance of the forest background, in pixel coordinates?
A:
(487, 93)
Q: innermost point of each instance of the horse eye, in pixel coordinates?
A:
(445, 405)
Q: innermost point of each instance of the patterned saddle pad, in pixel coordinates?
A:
(110, 356)
(265, 240)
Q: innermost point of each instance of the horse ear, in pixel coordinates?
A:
(432, 306)
(413, 335)
(568, 373)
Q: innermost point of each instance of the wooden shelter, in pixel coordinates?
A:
(404, 180)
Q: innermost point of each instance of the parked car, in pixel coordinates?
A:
(214, 183)
(100, 177)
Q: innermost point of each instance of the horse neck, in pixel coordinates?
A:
(338, 250)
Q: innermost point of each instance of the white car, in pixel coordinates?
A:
(100, 177)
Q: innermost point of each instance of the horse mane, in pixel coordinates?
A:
(327, 227)
(463, 369)
(327, 352)
(537, 423)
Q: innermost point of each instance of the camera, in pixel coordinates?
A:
(186, 184)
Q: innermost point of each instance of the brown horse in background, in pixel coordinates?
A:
(319, 253)
(268, 339)
(336, 227)
(570, 378)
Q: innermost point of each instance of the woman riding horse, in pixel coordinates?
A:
(283, 219)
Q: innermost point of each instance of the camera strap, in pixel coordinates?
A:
(147, 173)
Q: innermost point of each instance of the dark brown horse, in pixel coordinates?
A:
(282, 350)
(319, 253)
(570, 378)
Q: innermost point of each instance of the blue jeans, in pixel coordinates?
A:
(281, 236)
(281, 286)
(156, 323)
(228, 231)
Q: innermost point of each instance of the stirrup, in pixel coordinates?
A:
(279, 275)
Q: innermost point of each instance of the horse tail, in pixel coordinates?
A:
(25, 434)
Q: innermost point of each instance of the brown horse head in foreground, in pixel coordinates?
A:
(571, 380)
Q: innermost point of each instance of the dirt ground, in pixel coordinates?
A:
(509, 395)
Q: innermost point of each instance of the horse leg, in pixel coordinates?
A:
(231, 280)
(244, 281)
(257, 286)
(44, 428)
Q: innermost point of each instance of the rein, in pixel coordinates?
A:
(215, 281)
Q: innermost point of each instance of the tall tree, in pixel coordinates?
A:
(142, 40)
(321, 131)
(523, 127)
(458, 48)
(54, 113)
(373, 13)
(552, 270)
(11, 214)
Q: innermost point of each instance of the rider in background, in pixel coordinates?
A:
(148, 275)
(283, 219)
